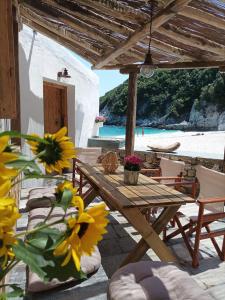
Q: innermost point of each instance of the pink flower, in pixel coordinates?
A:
(100, 119)
(133, 160)
(132, 163)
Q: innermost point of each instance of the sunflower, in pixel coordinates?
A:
(5, 157)
(83, 233)
(67, 185)
(5, 185)
(58, 150)
(8, 213)
(7, 240)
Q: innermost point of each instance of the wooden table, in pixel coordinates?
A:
(130, 200)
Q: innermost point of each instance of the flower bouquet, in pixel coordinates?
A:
(49, 252)
(100, 119)
(132, 166)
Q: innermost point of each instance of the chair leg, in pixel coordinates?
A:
(81, 185)
(164, 233)
(195, 258)
(182, 232)
(172, 222)
(214, 242)
(223, 249)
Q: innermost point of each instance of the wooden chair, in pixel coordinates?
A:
(209, 208)
(169, 173)
(85, 155)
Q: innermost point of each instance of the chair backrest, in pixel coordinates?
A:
(212, 185)
(171, 168)
(88, 155)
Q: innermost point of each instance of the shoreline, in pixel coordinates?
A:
(209, 144)
(206, 144)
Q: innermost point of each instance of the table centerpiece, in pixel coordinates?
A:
(132, 166)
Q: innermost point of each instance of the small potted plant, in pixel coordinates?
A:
(100, 120)
(132, 166)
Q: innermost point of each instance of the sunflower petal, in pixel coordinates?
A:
(61, 133)
(3, 142)
(67, 259)
(76, 259)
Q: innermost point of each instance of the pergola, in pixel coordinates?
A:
(114, 34)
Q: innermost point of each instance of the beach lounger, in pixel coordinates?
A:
(169, 148)
(208, 209)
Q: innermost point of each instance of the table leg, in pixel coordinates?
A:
(150, 234)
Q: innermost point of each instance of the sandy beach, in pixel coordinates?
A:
(197, 144)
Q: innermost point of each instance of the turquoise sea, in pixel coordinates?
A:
(120, 131)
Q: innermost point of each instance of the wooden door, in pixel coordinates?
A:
(55, 107)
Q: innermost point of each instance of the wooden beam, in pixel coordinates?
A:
(16, 122)
(131, 113)
(68, 20)
(90, 17)
(202, 16)
(30, 14)
(7, 63)
(85, 53)
(126, 69)
(162, 17)
(177, 51)
(193, 40)
(123, 12)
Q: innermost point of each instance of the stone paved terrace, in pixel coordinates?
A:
(117, 243)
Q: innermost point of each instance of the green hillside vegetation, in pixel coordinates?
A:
(170, 93)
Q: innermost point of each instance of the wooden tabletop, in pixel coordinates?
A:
(146, 193)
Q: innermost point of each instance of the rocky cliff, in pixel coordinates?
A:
(194, 98)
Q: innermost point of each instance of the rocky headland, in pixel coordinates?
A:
(184, 100)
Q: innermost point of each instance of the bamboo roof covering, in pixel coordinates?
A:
(112, 34)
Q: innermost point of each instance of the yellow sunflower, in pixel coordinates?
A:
(7, 239)
(58, 150)
(6, 157)
(67, 185)
(5, 185)
(84, 232)
(8, 213)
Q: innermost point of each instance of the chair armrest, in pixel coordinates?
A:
(168, 178)
(179, 183)
(211, 200)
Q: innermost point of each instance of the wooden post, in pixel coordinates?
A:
(224, 161)
(16, 122)
(131, 113)
(7, 62)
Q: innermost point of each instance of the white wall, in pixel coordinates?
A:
(40, 60)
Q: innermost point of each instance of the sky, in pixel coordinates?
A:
(108, 79)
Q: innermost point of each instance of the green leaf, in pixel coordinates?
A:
(44, 238)
(63, 273)
(37, 176)
(28, 137)
(32, 257)
(65, 200)
(23, 163)
(45, 242)
(17, 292)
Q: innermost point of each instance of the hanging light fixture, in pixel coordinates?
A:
(148, 68)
